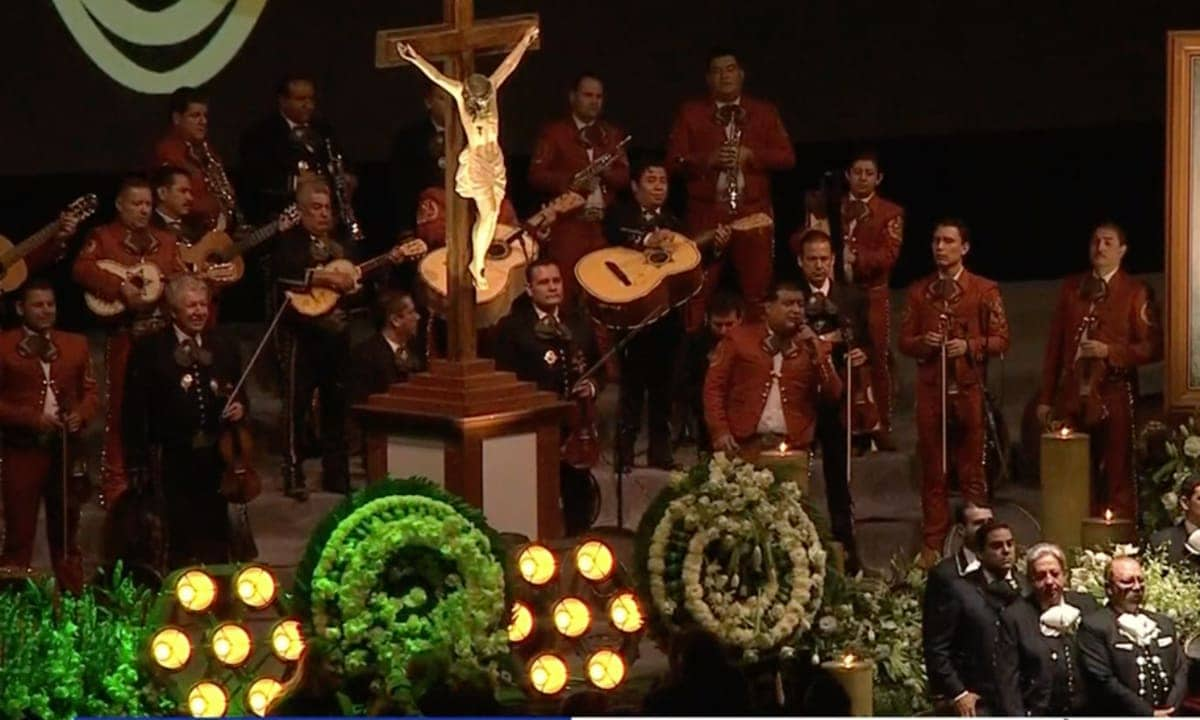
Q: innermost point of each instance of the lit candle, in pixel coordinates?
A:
(786, 464)
(1066, 485)
(1103, 532)
(857, 678)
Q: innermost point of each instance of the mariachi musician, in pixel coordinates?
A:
(564, 148)
(186, 146)
(837, 314)
(552, 345)
(133, 245)
(1105, 325)
(953, 322)
(726, 146)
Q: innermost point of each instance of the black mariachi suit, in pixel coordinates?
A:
(845, 309)
(188, 230)
(374, 367)
(315, 354)
(544, 360)
(173, 402)
(960, 626)
(647, 360)
(1174, 539)
(270, 156)
(1037, 674)
(1111, 667)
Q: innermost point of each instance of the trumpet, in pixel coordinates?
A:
(217, 181)
(337, 171)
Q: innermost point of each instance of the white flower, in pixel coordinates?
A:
(1191, 446)
(827, 624)
(1170, 501)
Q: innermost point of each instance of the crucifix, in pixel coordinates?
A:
(455, 42)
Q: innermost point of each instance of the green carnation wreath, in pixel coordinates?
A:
(399, 570)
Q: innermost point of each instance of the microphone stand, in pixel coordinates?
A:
(630, 333)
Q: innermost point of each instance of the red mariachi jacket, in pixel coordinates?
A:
(560, 153)
(739, 380)
(1127, 321)
(115, 242)
(977, 316)
(23, 384)
(431, 216)
(173, 150)
(876, 240)
(697, 133)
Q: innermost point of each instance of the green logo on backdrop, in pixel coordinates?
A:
(180, 22)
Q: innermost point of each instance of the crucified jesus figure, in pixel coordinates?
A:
(481, 176)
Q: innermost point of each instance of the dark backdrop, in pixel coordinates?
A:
(1030, 119)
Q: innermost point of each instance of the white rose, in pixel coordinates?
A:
(827, 624)
(1191, 446)
(1170, 501)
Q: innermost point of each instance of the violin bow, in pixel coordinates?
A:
(254, 358)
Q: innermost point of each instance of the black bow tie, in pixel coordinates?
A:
(189, 353)
(38, 346)
(1006, 589)
(550, 327)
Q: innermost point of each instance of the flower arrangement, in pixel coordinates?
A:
(65, 656)
(728, 548)
(1171, 589)
(1166, 457)
(880, 620)
(400, 571)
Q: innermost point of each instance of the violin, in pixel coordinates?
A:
(240, 482)
(1079, 389)
(581, 448)
(864, 413)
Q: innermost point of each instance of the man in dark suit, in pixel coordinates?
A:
(176, 401)
(388, 356)
(724, 312)
(960, 630)
(1181, 541)
(545, 343)
(969, 517)
(1037, 653)
(837, 313)
(418, 158)
(1132, 659)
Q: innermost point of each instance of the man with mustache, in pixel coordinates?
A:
(176, 402)
(1037, 655)
(1132, 658)
(961, 314)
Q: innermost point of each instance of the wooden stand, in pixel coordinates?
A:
(1066, 486)
(481, 434)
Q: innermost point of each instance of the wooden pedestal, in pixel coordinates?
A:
(479, 433)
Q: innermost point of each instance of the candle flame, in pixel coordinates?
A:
(1108, 516)
(1065, 432)
(848, 660)
(782, 447)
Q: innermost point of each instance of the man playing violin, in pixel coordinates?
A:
(1104, 326)
(726, 146)
(315, 350)
(959, 316)
(548, 343)
(564, 147)
(766, 379)
(127, 241)
(837, 313)
(176, 402)
(46, 388)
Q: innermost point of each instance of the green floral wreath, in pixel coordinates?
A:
(732, 550)
(398, 570)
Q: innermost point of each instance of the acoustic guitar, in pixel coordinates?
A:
(742, 224)
(625, 286)
(145, 277)
(316, 301)
(504, 267)
(218, 248)
(13, 270)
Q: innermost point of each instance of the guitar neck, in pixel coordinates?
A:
(374, 263)
(29, 244)
(256, 238)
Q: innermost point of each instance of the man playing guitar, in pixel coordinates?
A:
(127, 243)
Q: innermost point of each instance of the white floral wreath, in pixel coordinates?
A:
(752, 567)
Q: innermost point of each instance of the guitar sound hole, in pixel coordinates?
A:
(657, 257)
(498, 251)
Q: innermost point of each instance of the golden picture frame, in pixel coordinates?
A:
(1181, 388)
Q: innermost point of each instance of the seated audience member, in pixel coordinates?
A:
(389, 355)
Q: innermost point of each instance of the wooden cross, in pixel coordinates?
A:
(455, 42)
